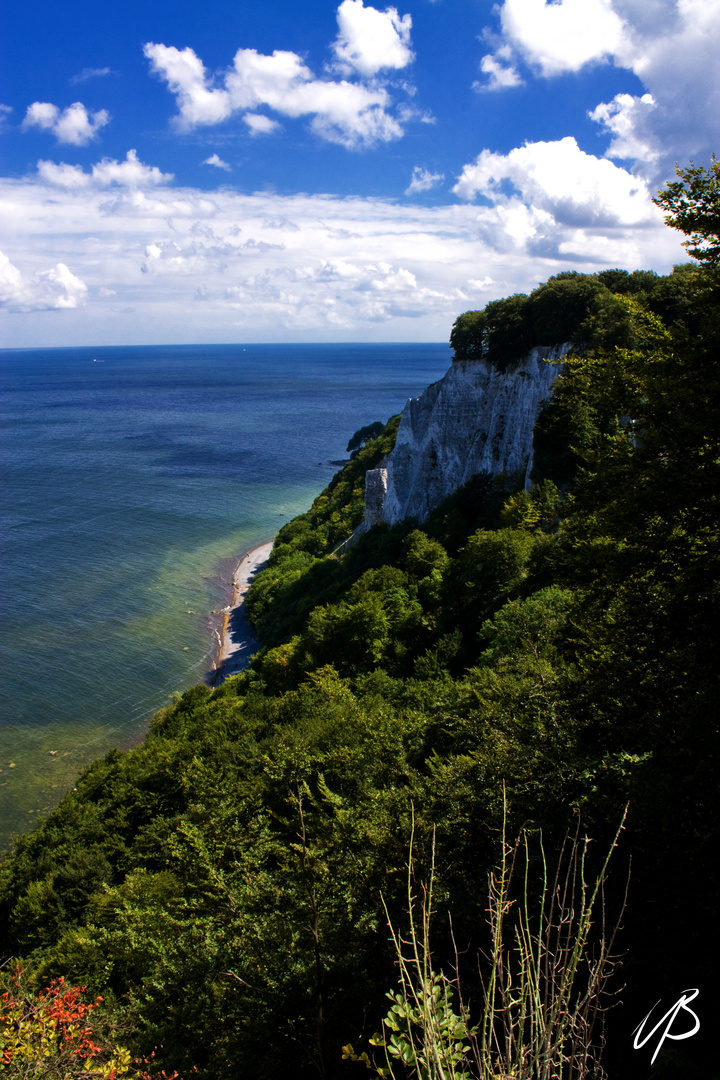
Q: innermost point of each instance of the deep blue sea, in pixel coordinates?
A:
(132, 480)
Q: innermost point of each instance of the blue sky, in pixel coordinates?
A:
(318, 172)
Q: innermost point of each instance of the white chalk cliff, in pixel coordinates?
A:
(474, 420)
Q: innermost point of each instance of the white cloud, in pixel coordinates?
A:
(281, 223)
(62, 175)
(41, 114)
(185, 74)
(46, 290)
(260, 125)
(562, 36)
(500, 73)
(559, 179)
(423, 180)
(128, 173)
(370, 40)
(352, 114)
(217, 162)
(89, 73)
(625, 118)
(75, 125)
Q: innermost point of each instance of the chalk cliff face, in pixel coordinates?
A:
(475, 419)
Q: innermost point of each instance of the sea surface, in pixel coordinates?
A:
(133, 479)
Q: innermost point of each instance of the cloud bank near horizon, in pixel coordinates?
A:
(182, 264)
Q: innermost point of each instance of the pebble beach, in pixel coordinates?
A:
(237, 638)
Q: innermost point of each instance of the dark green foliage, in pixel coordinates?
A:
(581, 310)
(476, 505)
(625, 283)
(191, 879)
(693, 206)
(488, 571)
(673, 298)
(297, 577)
(584, 310)
(568, 427)
(423, 555)
(502, 332)
(370, 431)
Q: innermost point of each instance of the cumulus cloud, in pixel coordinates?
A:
(673, 49)
(136, 204)
(347, 113)
(128, 173)
(553, 200)
(217, 162)
(343, 290)
(185, 74)
(625, 118)
(423, 180)
(73, 125)
(562, 36)
(46, 290)
(370, 40)
(559, 179)
(500, 70)
(350, 113)
(203, 251)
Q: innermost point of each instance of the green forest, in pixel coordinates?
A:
(461, 815)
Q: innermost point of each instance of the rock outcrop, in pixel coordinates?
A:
(474, 420)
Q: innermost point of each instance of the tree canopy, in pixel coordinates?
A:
(692, 205)
(583, 310)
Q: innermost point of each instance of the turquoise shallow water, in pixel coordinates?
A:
(132, 480)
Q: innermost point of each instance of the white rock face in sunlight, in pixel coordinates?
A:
(474, 420)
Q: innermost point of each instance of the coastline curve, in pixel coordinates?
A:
(237, 639)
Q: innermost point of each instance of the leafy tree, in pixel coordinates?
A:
(370, 431)
(577, 308)
(692, 205)
(423, 555)
(502, 332)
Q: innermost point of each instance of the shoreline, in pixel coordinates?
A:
(236, 640)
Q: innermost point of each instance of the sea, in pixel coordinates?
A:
(133, 480)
